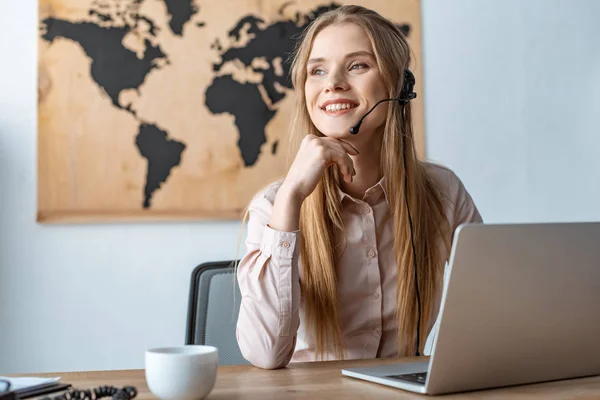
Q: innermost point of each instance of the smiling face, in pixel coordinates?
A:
(343, 82)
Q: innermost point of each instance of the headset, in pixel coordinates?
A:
(406, 94)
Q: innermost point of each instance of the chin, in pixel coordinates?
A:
(337, 133)
(334, 130)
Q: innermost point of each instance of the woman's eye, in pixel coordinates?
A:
(358, 66)
(316, 71)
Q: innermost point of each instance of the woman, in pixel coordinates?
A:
(329, 271)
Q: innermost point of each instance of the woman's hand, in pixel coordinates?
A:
(314, 156)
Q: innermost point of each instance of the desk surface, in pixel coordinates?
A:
(324, 380)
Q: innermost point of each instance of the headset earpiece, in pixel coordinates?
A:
(407, 93)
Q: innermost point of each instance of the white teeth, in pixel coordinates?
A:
(338, 106)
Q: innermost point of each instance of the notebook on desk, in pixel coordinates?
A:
(28, 387)
(521, 305)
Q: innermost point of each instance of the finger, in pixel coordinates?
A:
(344, 163)
(332, 151)
(347, 160)
(307, 139)
(348, 147)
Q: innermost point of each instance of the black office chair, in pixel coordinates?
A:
(213, 310)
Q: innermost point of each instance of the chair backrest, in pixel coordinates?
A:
(213, 310)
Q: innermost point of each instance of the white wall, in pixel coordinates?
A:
(513, 104)
(510, 93)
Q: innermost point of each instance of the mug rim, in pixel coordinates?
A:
(183, 350)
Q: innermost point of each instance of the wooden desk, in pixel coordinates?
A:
(324, 380)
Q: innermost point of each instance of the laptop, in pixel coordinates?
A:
(521, 305)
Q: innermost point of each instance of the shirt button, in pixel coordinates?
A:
(285, 244)
(376, 295)
(371, 253)
(367, 210)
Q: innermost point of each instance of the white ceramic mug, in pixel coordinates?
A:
(181, 372)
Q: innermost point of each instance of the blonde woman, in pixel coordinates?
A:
(334, 250)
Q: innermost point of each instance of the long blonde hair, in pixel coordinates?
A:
(320, 215)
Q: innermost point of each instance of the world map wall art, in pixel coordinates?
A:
(171, 110)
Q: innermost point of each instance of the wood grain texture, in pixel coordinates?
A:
(92, 106)
(323, 380)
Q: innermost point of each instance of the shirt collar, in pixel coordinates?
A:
(374, 191)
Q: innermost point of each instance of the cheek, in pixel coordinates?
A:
(310, 94)
(378, 90)
(308, 100)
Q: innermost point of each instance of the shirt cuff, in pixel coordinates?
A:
(280, 244)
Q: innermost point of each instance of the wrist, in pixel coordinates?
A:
(290, 193)
(286, 210)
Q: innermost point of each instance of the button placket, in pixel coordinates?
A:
(366, 215)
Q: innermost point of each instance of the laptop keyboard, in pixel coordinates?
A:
(418, 378)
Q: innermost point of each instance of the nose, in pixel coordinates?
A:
(336, 81)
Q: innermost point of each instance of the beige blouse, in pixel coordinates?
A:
(270, 327)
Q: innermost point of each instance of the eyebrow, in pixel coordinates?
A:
(349, 55)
